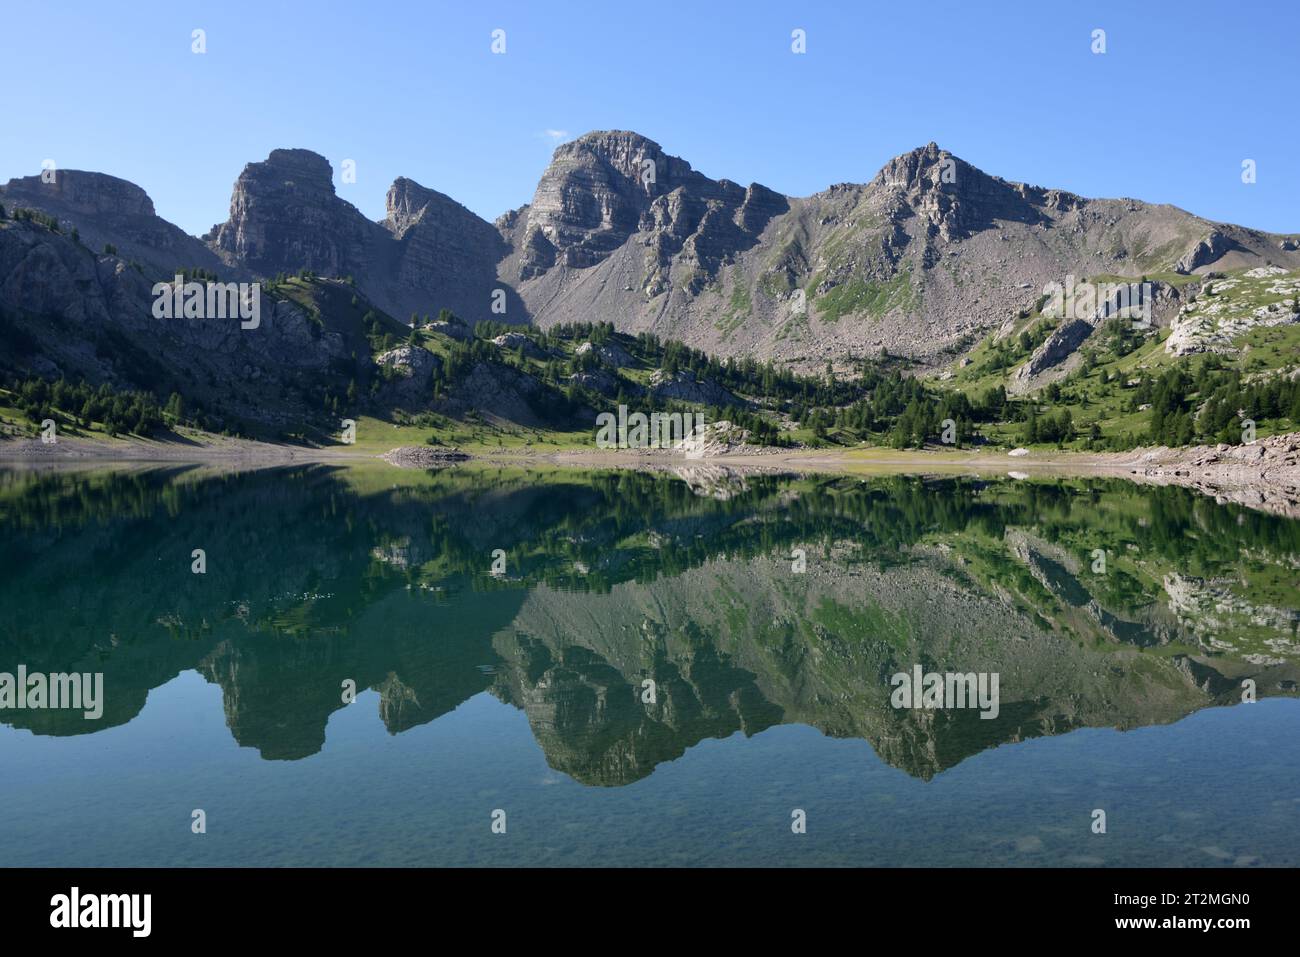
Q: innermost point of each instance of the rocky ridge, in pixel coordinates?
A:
(921, 260)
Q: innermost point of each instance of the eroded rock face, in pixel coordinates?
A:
(927, 256)
(429, 253)
(1058, 346)
(924, 258)
(410, 380)
(1149, 306)
(105, 209)
(1205, 252)
(517, 340)
(83, 192)
(611, 353)
(285, 216)
(88, 315)
(591, 197)
(1228, 308)
(605, 187)
(446, 256)
(952, 197)
(684, 387)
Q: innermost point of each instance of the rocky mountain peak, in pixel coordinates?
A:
(287, 177)
(428, 252)
(625, 154)
(79, 191)
(955, 197)
(619, 229)
(408, 203)
(284, 215)
(307, 168)
(407, 199)
(603, 187)
(921, 169)
(108, 210)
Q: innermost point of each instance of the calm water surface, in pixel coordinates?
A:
(766, 613)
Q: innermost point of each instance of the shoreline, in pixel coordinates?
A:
(1264, 475)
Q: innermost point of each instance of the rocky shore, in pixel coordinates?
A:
(1264, 474)
(424, 456)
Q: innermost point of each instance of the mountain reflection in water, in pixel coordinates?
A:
(317, 576)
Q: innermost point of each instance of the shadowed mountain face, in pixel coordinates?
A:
(69, 312)
(636, 617)
(429, 253)
(108, 210)
(922, 260)
(284, 210)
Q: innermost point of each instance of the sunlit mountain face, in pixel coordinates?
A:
(626, 663)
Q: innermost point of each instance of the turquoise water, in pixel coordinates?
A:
(522, 691)
(1216, 789)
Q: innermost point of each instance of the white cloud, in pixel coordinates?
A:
(556, 135)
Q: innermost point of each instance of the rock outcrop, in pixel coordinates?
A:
(1149, 305)
(106, 210)
(285, 217)
(1263, 475)
(610, 354)
(410, 375)
(1228, 308)
(924, 258)
(1209, 250)
(927, 256)
(1063, 342)
(512, 341)
(428, 254)
(445, 258)
(424, 456)
(66, 311)
(684, 387)
(603, 188)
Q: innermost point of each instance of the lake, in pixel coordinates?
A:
(326, 665)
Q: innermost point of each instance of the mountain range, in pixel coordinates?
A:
(923, 259)
(932, 263)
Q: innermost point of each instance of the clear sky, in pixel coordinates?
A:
(1183, 94)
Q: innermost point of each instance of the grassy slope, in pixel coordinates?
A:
(1102, 395)
(1091, 398)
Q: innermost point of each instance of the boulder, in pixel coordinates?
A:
(611, 353)
(512, 341)
(685, 388)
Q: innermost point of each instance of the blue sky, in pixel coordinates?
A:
(1184, 93)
